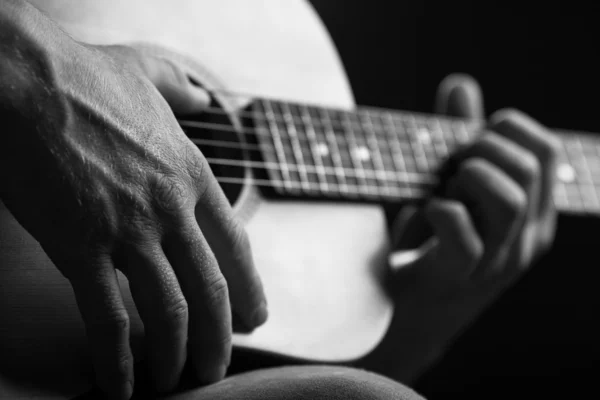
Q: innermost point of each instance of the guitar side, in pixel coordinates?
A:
(321, 263)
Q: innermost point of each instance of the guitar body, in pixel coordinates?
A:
(321, 263)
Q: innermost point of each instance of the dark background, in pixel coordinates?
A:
(541, 339)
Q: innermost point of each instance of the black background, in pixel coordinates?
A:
(541, 339)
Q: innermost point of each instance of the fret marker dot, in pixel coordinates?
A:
(362, 153)
(424, 136)
(322, 149)
(565, 173)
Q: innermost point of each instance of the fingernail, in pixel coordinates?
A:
(260, 315)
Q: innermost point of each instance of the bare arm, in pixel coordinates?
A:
(95, 166)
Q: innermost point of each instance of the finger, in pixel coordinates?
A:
(498, 206)
(531, 135)
(410, 228)
(460, 246)
(459, 95)
(207, 294)
(107, 325)
(517, 162)
(231, 246)
(163, 309)
(176, 85)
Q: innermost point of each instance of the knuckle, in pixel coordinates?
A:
(474, 252)
(505, 116)
(515, 202)
(549, 148)
(240, 242)
(114, 324)
(175, 73)
(458, 209)
(177, 311)
(529, 167)
(217, 291)
(472, 166)
(120, 320)
(170, 195)
(197, 168)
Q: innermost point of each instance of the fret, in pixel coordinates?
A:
(266, 143)
(354, 148)
(344, 147)
(439, 137)
(335, 154)
(397, 152)
(376, 149)
(560, 196)
(317, 148)
(574, 199)
(297, 151)
(589, 198)
(270, 115)
(416, 135)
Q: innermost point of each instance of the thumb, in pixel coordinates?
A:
(413, 245)
(176, 85)
(459, 95)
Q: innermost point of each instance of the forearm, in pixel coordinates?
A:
(425, 324)
(32, 53)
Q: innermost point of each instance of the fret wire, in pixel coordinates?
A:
(560, 195)
(398, 157)
(378, 160)
(330, 134)
(441, 145)
(352, 147)
(416, 145)
(312, 137)
(595, 204)
(291, 127)
(278, 143)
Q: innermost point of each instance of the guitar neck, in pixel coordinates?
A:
(387, 155)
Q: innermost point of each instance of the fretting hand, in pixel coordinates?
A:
(493, 219)
(98, 170)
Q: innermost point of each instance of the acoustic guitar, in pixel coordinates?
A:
(305, 169)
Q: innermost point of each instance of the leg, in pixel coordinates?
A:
(302, 383)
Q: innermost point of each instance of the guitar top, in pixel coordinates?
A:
(281, 86)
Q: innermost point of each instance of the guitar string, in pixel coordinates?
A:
(390, 176)
(416, 116)
(416, 177)
(566, 135)
(333, 188)
(406, 118)
(258, 133)
(413, 114)
(248, 147)
(567, 142)
(312, 185)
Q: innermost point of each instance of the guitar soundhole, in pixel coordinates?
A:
(216, 137)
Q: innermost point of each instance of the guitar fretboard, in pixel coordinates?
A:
(386, 155)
